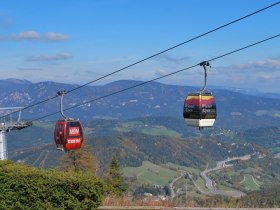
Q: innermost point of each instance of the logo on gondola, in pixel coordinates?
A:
(74, 131)
(74, 141)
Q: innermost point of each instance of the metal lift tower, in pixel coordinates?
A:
(10, 126)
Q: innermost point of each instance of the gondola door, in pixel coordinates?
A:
(74, 135)
(59, 134)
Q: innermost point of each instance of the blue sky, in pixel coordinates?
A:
(73, 41)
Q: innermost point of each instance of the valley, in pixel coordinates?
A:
(155, 157)
(159, 154)
(188, 182)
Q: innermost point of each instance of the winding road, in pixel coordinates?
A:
(211, 185)
(172, 193)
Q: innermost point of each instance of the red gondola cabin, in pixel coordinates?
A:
(68, 134)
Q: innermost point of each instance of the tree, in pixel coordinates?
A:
(115, 181)
(81, 160)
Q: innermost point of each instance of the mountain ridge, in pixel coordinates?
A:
(235, 110)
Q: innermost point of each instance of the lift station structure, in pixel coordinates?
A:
(10, 125)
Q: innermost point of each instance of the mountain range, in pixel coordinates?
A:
(235, 110)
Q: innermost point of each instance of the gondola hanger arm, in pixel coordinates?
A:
(61, 94)
(204, 64)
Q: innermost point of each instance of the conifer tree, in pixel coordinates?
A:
(115, 180)
(81, 160)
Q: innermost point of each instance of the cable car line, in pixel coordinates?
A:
(155, 79)
(154, 55)
(243, 48)
(27, 107)
(175, 46)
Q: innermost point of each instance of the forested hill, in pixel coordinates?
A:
(157, 139)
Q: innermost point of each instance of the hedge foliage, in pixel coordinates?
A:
(26, 187)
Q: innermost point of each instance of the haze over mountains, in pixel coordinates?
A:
(235, 110)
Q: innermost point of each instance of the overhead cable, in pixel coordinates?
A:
(158, 78)
(175, 46)
(154, 55)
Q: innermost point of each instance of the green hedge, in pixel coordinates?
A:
(26, 187)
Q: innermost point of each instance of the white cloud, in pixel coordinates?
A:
(172, 59)
(56, 57)
(29, 69)
(266, 77)
(161, 72)
(33, 35)
(269, 65)
(26, 35)
(53, 36)
(272, 63)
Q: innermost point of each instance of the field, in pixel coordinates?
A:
(153, 174)
(275, 149)
(150, 173)
(160, 131)
(191, 183)
(250, 183)
(155, 130)
(273, 113)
